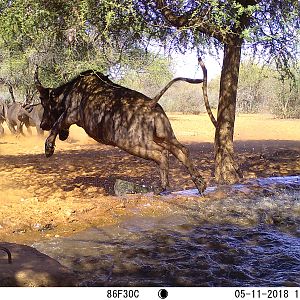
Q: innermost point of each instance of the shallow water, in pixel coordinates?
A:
(241, 240)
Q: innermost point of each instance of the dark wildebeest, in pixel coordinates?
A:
(34, 114)
(114, 115)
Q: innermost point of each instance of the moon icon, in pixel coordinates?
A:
(162, 294)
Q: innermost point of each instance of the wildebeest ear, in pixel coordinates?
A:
(37, 82)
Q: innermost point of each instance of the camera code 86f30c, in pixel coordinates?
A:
(123, 294)
(267, 294)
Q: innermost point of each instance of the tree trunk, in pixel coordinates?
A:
(226, 170)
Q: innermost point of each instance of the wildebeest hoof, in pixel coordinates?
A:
(49, 149)
(63, 134)
(200, 184)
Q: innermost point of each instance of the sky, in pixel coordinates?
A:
(187, 66)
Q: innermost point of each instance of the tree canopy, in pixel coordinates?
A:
(64, 38)
(116, 36)
(103, 34)
(267, 26)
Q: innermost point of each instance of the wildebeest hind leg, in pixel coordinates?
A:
(164, 169)
(159, 155)
(182, 154)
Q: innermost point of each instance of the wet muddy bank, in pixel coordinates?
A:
(243, 235)
(238, 204)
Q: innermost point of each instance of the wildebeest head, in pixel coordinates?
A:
(50, 102)
(22, 116)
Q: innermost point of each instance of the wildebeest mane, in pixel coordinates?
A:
(66, 87)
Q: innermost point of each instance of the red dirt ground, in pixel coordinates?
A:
(45, 197)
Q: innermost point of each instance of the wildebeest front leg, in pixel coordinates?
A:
(11, 128)
(50, 143)
(59, 126)
(20, 128)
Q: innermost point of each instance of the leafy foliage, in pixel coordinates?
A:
(116, 37)
(65, 38)
(263, 89)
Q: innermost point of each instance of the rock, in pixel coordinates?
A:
(123, 187)
(30, 268)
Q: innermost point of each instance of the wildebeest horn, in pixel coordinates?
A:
(37, 82)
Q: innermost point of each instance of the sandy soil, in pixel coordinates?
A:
(46, 197)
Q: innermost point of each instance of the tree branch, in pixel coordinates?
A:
(174, 20)
(187, 20)
(205, 96)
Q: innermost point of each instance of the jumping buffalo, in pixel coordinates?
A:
(114, 115)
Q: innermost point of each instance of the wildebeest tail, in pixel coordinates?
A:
(154, 100)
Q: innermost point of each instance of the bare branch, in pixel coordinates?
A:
(205, 96)
(188, 20)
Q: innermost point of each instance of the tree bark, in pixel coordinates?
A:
(226, 170)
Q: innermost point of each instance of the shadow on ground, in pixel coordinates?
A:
(99, 166)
